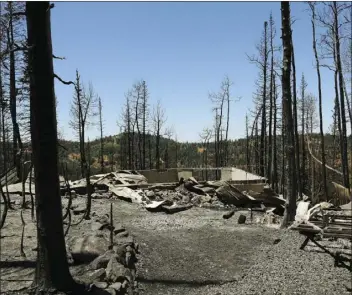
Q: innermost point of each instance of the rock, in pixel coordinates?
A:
(103, 260)
(136, 247)
(176, 208)
(205, 199)
(97, 275)
(96, 196)
(125, 241)
(196, 200)
(229, 214)
(117, 286)
(118, 229)
(125, 284)
(111, 291)
(186, 199)
(115, 271)
(95, 226)
(150, 194)
(87, 248)
(101, 285)
(122, 235)
(79, 209)
(103, 219)
(241, 219)
(276, 241)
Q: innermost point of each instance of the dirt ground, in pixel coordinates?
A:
(193, 252)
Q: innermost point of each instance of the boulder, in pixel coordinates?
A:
(96, 275)
(115, 271)
(150, 194)
(101, 285)
(103, 260)
(87, 248)
(117, 286)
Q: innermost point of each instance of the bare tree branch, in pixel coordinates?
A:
(62, 81)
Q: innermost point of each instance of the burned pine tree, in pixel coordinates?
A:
(83, 109)
(260, 99)
(303, 147)
(52, 271)
(100, 107)
(317, 64)
(158, 119)
(290, 207)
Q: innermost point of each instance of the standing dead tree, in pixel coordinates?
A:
(261, 61)
(145, 115)
(158, 119)
(169, 131)
(331, 18)
(303, 147)
(101, 135)
(322, 141)
(290, 207)
(206, 135)
(83, 109)
(221, 102)
(52, 271)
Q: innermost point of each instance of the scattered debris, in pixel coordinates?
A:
(228, 214)
(241, 219)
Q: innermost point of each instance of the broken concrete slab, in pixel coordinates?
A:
(128, 194)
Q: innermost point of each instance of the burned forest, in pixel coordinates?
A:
(144, 155)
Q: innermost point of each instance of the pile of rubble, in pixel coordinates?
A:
(111, 263)
(175, 197)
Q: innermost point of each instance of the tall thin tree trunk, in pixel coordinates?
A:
(101, 137)
(275, 165)
(52, 270)
(270, 148)
(247, 144)
(342, 97)
(303, 166)
(263, 125)
(17, 143)
(295, 123)
(290, 208)
(322, 141)
(144, 110)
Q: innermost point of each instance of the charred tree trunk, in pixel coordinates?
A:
(263, 125)
(150, 152)
(144, 110)
(157, 147)
(52, 270)
(101, 137)
(322, 141)
(342, 98)
(304, 155)
(16, 137)
(247, 145)
(274, 179)
(295, 123)
(271, 90)
(290, 209)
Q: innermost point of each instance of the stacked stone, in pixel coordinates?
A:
(114, 266)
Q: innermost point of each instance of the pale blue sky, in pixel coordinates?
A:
(183, 50)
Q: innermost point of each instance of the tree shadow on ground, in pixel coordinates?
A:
(18, 263)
